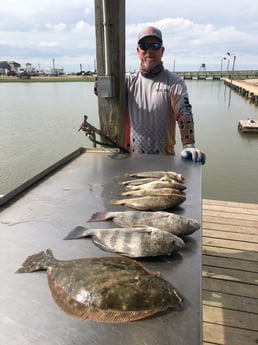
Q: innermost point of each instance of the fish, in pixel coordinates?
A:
(104, 289)
(138, 181)
(154, 191)
(171, 222)
(158, 174)
(152, 203)
(159, 184)
(135, 242)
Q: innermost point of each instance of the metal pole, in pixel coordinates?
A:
(233, 68)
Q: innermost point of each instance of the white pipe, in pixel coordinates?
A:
(106, 39)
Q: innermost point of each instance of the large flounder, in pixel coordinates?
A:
(173, 223)
(105, 289)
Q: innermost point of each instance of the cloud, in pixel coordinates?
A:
(37, 31)
(56, 27)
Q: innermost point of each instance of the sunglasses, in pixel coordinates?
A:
(146, 46)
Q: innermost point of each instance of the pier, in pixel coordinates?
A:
(246, 88)
(230, 273)
(218, 75)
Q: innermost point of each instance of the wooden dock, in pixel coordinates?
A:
(230, 273)
(247, 88)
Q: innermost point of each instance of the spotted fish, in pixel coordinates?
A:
(155, 191)
(133, 242)
(173, 223)
(151, 202)
(158, 184)
(158, 174)
(104, 289)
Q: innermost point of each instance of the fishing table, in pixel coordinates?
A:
(42, 216)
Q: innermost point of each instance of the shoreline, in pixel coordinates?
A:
(72, 78)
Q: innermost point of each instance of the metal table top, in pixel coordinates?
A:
(41, 218)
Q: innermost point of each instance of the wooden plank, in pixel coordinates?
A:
(231, 210)
(236, 222)
(242, 246)
(230, 287)
(231, 263)
(219, 334)
(229, 301)
(229, 227)
(235, 236)
(228, 317)
(230, 275)
(231, 215)
(229, 253)
(240, 205)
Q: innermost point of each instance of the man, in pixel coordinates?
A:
(156, 100)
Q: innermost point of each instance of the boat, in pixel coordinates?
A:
(248, 126)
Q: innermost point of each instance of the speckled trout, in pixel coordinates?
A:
(158, 184)
(151, 202)
(158, 174)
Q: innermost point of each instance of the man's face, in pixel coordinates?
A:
(150, 58)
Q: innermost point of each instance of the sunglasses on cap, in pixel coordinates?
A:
(146, 46)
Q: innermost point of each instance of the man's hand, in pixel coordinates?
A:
(192, 153)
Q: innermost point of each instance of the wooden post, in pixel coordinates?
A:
(111, 109)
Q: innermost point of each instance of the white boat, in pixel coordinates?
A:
(248, 126)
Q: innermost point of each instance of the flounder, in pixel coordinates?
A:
(104, 289)
(171, 222)
(134, 242)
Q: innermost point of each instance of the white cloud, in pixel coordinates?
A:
(56, 27)
(36, 31)
(81, 26)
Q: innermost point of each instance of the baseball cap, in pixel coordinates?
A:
(150, 31)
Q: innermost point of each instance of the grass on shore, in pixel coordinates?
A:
(70, 78)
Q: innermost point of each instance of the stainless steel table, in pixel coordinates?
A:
(42, 217)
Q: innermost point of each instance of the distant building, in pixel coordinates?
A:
(9, 67)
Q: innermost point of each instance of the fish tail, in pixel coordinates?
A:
(36, 262)
(77, 232)
(100, 217)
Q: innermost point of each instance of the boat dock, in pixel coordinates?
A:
(247, 88)
(230, 273)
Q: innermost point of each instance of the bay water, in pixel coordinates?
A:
(39, 123)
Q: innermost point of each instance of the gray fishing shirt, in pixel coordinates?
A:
(154, 105)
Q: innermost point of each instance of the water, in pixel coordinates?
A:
(39, 124)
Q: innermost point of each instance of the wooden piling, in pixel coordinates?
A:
(110, 44)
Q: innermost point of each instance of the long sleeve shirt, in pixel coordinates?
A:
(154, 105)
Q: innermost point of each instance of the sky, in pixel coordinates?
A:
(194, 33)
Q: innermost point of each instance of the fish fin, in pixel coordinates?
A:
(77, 232)
(100, 244)
(117, 202)
(36, 262)
(99, 217)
